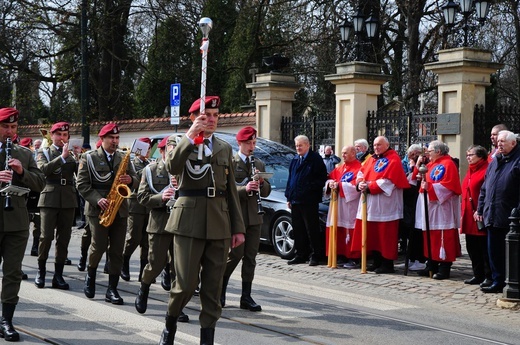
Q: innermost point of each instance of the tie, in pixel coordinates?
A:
(109, 158)
(207, 143)
(299, 161)
(247, 161)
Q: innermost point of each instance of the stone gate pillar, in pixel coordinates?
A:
(463, 75)
(358, 84)
(274, 96)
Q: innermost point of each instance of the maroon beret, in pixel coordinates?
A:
(163, 142)
(110, 128)
(60, 126)
(246, 133)
(145, 140)
(8, 115)
(211, 102)
(98, 144)
(26, 142)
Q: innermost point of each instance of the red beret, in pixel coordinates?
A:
(212, 102)
(98, 144)
(110, 128)
(246, 133)
(8, 115)
(163, 142)
(145, 140)
(60, 126)
(26, 142)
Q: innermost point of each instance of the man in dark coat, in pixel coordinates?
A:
(307, 176)
(499, 194)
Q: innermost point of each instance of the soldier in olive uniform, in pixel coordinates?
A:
(137, 222)
(19, 170)
(57, 203)
(97, 170)
(156, 191)
(205, 220)
(248, 191)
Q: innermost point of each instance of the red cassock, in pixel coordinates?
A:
(444, 191)
(348, 200)
(387, 180)
(470, 191)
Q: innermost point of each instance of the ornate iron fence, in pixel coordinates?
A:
(319, 129)
(402, 128)
(484, 120)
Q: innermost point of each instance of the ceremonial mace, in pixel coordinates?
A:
(423, 170)
(205, 25)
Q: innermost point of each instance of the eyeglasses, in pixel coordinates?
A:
(470, 154)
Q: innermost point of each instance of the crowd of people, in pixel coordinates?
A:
(196, 213)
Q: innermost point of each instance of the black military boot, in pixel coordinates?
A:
(90, 283)
(7, 330)
(143, 265)
(431, 266)
(444, 271)
(112, 295)
(225, 282)
(141, 301)
(34, 248)
(82, 264)
(246, 301)
(57, 281)
(125, 270)
(207, 336)
(39, 281)
(377, 261)
(166, 279)
(387, 266)
(168, 333)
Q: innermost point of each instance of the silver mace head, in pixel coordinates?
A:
(205, 24)
(423, 169)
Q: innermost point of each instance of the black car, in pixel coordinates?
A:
(276, 229)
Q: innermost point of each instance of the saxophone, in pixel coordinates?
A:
(118, 192)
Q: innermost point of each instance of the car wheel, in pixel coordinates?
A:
(283, 237)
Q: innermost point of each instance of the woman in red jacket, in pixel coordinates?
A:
(476, 237)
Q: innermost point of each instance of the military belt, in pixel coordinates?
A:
(60, 181)
(209, 192)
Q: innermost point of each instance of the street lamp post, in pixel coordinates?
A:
(466, 7)
(358, 25)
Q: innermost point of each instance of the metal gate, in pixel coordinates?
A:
(319, 129)
(402, 128)
(484, 120)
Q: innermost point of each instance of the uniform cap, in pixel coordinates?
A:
(110, 128)
(8, 115)
(211, 102)
(145, 140)
(246, 133)
(26, 142)
(60, 126)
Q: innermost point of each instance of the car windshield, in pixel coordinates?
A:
(275, 156)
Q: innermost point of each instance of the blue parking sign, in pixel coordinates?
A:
(175, 95)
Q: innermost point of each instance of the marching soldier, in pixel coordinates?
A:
(157, 188)
(96, 175)
(205, 220)
(19, 170)
(57, 203)
(137, 222)
(248, 192)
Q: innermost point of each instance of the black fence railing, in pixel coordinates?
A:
(484, 120)
(402, 128)
(318, 128)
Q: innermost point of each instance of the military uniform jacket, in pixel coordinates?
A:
(60, 189)
(200, 216)
(249, 201)
(32, 178)
(154, 180)
(133, 205)
(94, 185)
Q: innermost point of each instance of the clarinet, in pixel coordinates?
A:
(8, 145)
(260, 209)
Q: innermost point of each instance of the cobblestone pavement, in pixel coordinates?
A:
(451, 293)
